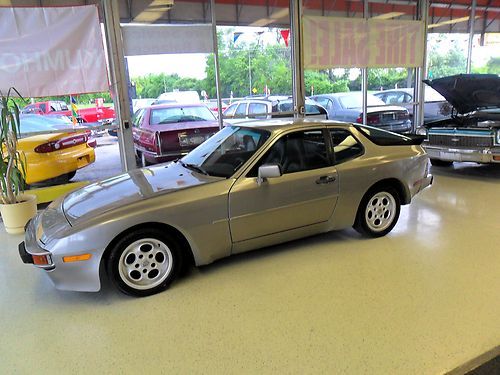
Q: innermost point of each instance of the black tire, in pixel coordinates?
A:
(441, 163)
(145, 262)
(378, 212)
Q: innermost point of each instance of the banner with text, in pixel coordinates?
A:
(52, 51)
(332, 42)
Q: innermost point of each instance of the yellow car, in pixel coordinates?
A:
(55, 154)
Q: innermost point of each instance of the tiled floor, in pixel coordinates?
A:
(422, 300)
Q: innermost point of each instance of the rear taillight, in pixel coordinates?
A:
(402, 115)
(372, 119)
(62, 143)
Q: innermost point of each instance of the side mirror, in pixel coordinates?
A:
(268, 171)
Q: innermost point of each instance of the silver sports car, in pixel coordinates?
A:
(244, 188)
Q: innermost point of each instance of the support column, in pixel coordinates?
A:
(364, 75)
(472, 20)
(216, 62)
(119, 86)
(298, 88)
(421, 72)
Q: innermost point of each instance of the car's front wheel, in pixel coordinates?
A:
(378, 212)
(144, 262)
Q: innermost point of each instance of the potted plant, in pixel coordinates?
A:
(16, 208)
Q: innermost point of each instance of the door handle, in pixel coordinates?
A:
(325, 180)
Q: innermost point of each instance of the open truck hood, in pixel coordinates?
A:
(469, 92)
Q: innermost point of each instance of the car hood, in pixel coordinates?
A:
(127, 188)
(469, 92)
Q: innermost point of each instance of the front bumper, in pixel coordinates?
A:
(477, 155)
(77, 276)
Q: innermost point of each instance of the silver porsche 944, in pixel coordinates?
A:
(247, 187)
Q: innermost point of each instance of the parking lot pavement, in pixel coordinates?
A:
(107, 161)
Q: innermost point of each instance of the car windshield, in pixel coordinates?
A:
(37, 123)
(224, 153)
(180, 114)
(355, 100)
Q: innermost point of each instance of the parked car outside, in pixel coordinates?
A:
(267, 107)
(245, 188)
(435, 105)
(347, 106)
(169, 131)
(96, 114)
(472, 132)
(57, 154)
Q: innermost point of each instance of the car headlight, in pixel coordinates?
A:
(421, 131)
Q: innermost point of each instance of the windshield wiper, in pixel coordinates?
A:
(194, 167)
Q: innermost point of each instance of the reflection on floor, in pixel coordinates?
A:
(422, 300)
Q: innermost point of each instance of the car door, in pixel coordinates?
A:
(305, 194)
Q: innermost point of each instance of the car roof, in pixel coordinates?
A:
(339, 94)
(282, 125)
(175, 104)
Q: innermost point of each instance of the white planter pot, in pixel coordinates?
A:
(15, 216)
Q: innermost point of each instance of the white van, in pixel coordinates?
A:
(185, 97)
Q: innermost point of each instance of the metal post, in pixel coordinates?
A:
(364, 74)
(119, 85)
(421, 73)
(297, 58)
(216, 62)
(249, 74)
(472, 20)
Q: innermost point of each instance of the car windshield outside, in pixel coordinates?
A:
(37, 123)
(180, 114)
(355, 100)
(226, 151)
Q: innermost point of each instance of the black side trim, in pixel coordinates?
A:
(25, 257)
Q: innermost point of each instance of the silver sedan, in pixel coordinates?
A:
(246, 187)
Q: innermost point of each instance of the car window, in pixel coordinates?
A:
(296, 152)
(226, 151)
(383, 137)
(258, 110)
(355, 100)
(394, 98)
(241, 111)
(321, 100)
(64, 107)
(171, 115)
(138, 116)
(43, 107)
(229, 112)
(345, 146)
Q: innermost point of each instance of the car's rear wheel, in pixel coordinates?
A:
(441, 163)
(145, 262)
(378, 212)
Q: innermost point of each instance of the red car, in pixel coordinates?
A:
(57, 107)
(169, 131)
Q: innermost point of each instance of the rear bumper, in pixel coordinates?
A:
(44, 167)
(477, 155)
